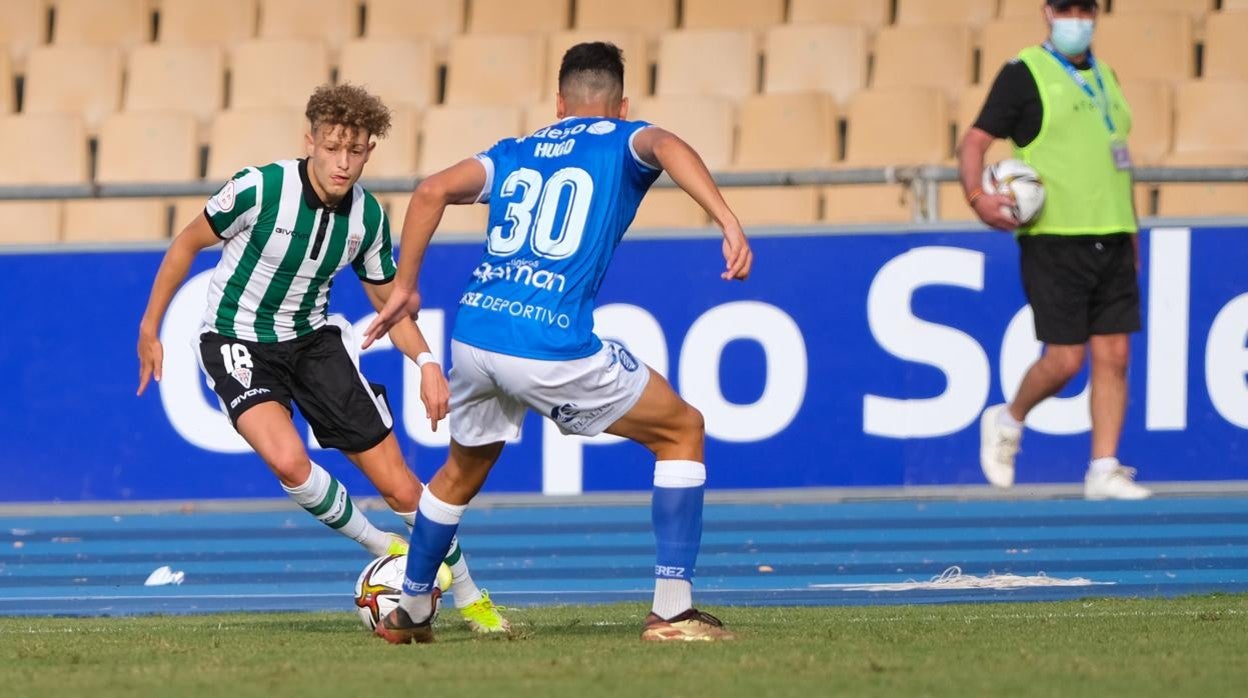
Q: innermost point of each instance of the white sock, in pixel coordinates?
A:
(672, 597)
(1103, 466)
(1005, 419)
(324, 497)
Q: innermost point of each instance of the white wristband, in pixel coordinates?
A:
(425, 357)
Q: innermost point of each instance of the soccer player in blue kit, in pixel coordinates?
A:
(560, 201)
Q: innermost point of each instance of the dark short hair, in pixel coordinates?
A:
(598, 63)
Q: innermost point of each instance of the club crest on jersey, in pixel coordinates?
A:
(225, 198)
(353, 245)
(243, 376)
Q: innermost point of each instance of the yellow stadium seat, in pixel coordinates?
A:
(148, 146)
(6, 80)
(464, 219)
(898, 126)
(648, 16)
(952, 205)
(1194, 8)
(185, 210)
(940, 56)
(705, 123)
(514, 16)
(720, 62)
(732, 14)
(496, 69)
(816, 57)
(633, 44)
(30, 222)
(83, 80)
(400, 71)
(185, 77)
(395, 155)
(1201, 123)
(970, 104)
(115, 220)
(253, 137)
(331, 21)
(850, 204)
(1002, 39)
(968, 12)
(25, 26)
(1226, 45)
(669, 208)
(453, 133)
(276, 72)
(1152, 117)
(1170, 55)
(539, 115)
(1021, 9)
(756, 206)
(1204, 199)
(786, 131)
(435, 20)
(113, 23)
(871, 14)
(199, 22)
(1228, 5)
(52, 149)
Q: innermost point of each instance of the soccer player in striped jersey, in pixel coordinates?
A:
(560, 201)
(267, 340)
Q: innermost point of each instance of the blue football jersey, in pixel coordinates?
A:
(560, 201)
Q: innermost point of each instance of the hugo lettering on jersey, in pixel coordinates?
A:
(560, 201)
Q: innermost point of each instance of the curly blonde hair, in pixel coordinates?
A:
(350, 106)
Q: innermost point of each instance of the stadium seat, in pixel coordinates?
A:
(787, 131)
(83, 80)
(1144, 195)
(1226, 45)
(756, 206)
(276, 72)
(186, 209)
(850, 204)
(452, 133)
(198, 22)
(115, 220)
(400, 71)
(871, 14)
(1152, 117)
(540, 115)
(1171, 55)
(732, 14)
(898, 126)
(1201, 123)
(952, 205)
(1204, 199)
(1002, 39)
(648, 16)
(186, 77)
(940, 56)
(435, 20)
(113, 23)
(1228, 5)
(52, 149)
(496, 69)
(816, 57)
(970, 103)
(684, 57)
(632, 43)
(154, 146)
(669, 208)
(967, 12)
(253, 137)
(30, 222)
(706, 123)
(331, 21)
(1021, 9)
(468, 219)
(1194, 8)
(395, 155)
(25, 26)
(6, 84)
(515, 16)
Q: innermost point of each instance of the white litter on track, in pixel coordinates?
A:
(953, 578)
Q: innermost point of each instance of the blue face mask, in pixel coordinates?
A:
(1071, 36)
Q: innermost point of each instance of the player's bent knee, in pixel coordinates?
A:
(291, 468)
(405, 496)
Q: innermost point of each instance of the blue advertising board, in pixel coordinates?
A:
(845, 360)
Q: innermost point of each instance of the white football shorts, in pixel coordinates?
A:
(490, 392)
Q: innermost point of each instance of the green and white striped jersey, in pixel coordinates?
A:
(283, 248)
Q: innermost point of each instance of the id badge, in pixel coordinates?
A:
(1122, 156)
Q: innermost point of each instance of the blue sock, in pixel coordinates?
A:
(436, 524)
(676, 512)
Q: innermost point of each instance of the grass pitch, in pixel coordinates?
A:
(1148, 647)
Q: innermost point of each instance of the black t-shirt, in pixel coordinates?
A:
(1013, 109)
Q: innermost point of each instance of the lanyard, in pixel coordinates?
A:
(1102, 100)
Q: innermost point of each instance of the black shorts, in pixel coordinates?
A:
(1080, 285)
(319, 372)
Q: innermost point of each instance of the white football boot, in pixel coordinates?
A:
(998, 446)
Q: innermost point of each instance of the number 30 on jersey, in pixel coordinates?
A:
(534, 210)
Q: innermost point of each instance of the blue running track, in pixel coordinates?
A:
(783, 554)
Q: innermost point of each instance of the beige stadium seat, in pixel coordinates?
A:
(216, 22)
(6, 82)
(253, 137)
(648, 16)
(705, 123)
(952, 205)
(1002, 39)
(633, 44)
(540, 115)
(816, 57)
(496, 69)
(395, 155)
(1201, 121)
(115, 220)
(756, 206)
(463, 219)
(871, 14)
(720, 62)
(112, 23)
(30, 222)
(185, 210)
(331, 21)
(732, 14)
(669, 208)
(1204, 199)
(1234, 5)
(1226, 45)
(52, 149)
(514, 16)
(787, 131)
(898, 126)
(185, 77)
(1171, 54)
(968, 12)
(25, 26)
(435, 20)
(1144, 195)
(970, 103)
(452, 133)
(276, 72)
(1021, 9)
(148, 147)
(940, 56)
(1194, 8)
(82, 80)
(400, 71)
(1152, 119)
(850, 204)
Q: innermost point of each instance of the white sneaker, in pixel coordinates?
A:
(998, 445)
(1118, 483)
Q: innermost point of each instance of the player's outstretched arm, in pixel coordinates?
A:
(408, 338)
(992, 209)
(459, 184)
(196, 236)
(683, 164)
